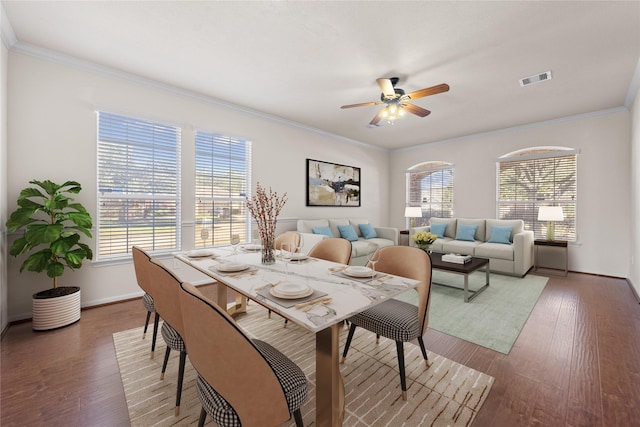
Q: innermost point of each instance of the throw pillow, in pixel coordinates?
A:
(347, 232)
(466, 232)
(500, 235)
(439, 230)
(367, 230)
(322, 230)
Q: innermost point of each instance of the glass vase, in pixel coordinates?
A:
(268, 254)
(424, 247)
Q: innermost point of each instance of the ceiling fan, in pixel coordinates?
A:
(397, 101)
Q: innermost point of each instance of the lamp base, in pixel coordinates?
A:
(551, 231)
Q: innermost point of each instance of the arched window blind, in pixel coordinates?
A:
(430, 186)
(541, 176)
(138, 186)
(223, 179)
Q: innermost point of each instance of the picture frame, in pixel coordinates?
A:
(332, 184)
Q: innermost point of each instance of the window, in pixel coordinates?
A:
(223, 179)
(138, 186)
(541, 176)
(430, 186)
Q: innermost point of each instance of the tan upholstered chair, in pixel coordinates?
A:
(241, 381)
(290, 237)
(333, 249)
(141, 265)
(398, 320)
(165, 290)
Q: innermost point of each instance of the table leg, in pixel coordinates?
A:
(466, 288)
(329, 384)
(237, 307)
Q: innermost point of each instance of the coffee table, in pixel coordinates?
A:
(463, 269)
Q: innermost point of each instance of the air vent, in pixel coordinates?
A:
(537, 78)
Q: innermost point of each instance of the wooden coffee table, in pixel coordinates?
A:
(464, 269)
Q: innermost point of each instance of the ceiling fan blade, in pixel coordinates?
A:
(363, 104)
(433, 90)
(387, 88)
(414, 109)
(377, 118)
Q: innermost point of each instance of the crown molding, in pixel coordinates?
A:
(6, 29)
(520, 128)
(81, 64)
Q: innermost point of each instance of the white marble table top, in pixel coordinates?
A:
(349, 296)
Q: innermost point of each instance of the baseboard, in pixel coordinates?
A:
(633, 290)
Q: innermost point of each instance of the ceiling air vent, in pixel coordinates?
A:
(536, 78)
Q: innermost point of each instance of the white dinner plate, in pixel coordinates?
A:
(290, 288)
(298, 257)
(199, 253)
(252, 248)
(357, 271)
(274, 291)
(231, 267)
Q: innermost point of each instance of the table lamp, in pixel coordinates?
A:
(413, 212)
(550, 214)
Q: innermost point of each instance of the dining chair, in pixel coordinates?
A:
(165, 290)
(394, 319)
(333, 249)
(141, 266)
(241, 381)
(291, 237)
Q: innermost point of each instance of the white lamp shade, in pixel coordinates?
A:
(550, 213)
(413, 212)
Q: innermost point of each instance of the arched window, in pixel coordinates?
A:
(430, 186)
(534, 177)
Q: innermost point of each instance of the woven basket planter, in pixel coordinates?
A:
(55, 308)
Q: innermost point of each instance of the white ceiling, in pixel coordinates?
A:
(301, 61)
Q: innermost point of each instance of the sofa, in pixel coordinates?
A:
(505, 242)
(314, 230)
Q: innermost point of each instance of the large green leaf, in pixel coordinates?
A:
(63, 245)
(38, 261)
(19, 246)
(55, 269)
(48, 186)
(75, 257)
(43, 233)
(31, 192)
(20, 218)
(81, 219)
(87, 250)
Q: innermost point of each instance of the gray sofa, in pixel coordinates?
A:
(513, 255)
(386, 236)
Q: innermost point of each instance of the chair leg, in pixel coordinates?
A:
(156, 320)
(352, 329)
(203, 417)
(183, 359)
(297, 415)
(377, 338)
(403, 381)
(424, 351)
(146, 325)
(164, 364)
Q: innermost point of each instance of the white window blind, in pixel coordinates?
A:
(138, 185)
(223, 180)
(539, 177)
(430, 186)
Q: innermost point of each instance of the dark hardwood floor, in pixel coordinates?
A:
(576, 363)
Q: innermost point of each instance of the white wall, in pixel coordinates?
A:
(604, 173)
(52, 135)
(3, 186)
(634, 235)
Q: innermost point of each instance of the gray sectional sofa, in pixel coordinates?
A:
(507, 245)
(385, 236)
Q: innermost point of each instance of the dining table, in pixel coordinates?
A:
(334, 292)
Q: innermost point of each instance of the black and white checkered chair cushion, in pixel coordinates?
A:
(393, 319)
(291, 377)
(172, 337)
(147, 301)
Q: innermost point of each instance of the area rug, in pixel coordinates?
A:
(443, 394)
(494, 318)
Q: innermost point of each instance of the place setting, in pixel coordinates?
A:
(200, 253)
(233, 269)
(291, 294)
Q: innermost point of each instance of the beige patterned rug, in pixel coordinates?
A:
(444, 394)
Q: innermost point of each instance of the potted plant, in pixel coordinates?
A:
(52, 225)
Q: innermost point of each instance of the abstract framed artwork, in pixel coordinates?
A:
(332, 184)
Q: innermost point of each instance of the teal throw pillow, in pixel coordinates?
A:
(500, 235)
(323, 230)
(439, 230)
(466, 232)
(367, 230)
(347, 232)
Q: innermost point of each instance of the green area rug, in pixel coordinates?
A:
(494, 318)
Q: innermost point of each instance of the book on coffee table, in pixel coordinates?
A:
(458, 259)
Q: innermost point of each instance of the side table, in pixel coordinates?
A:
(403, 240)
(551, 243)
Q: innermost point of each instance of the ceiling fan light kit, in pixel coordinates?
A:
(397, 101)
